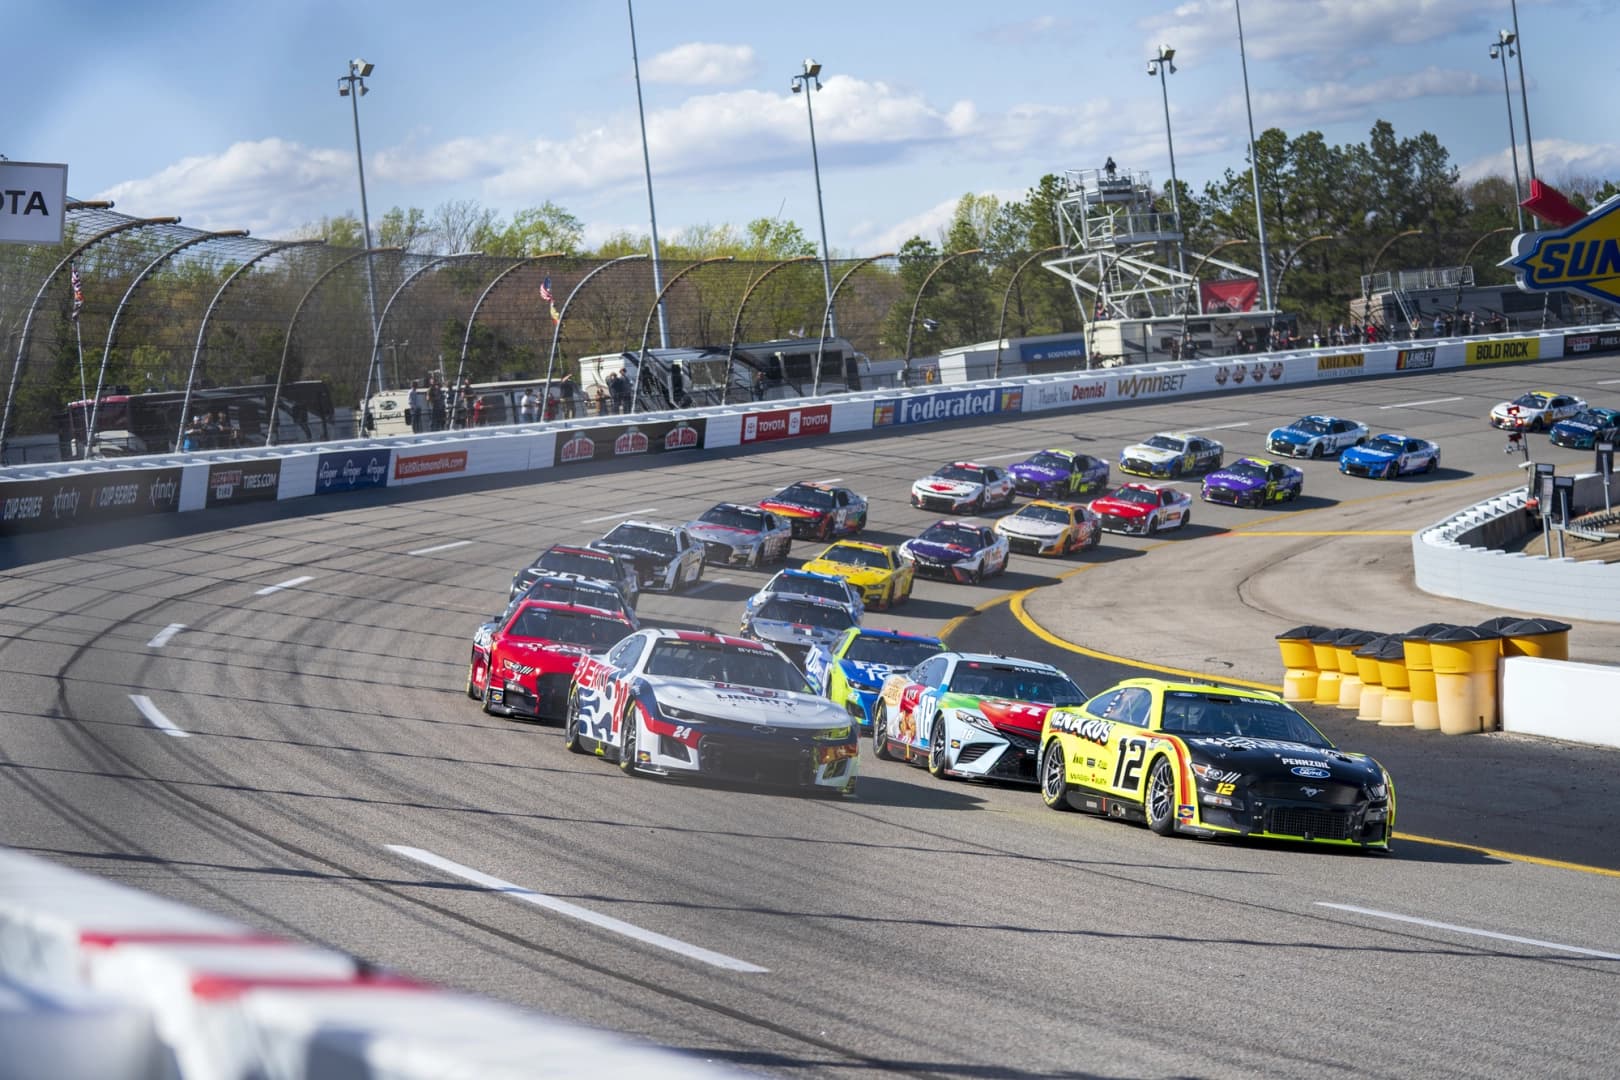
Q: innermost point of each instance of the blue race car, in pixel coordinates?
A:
(1586, 428)
(851, 671)
(1055, 474)
(1316, 436)
(1253, 481)
(1384, 457)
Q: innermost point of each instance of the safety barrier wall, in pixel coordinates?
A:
(1449, 559)
(1559, 699)
(101, 980)
(67, 494)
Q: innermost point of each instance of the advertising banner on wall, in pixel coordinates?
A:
(1341, 365)
(629, 440)
(1041, 352)
(1249, 373)
(1502, 352)
(949, 405)
(787, 423)
(434, 466)
(1065, 393)
(243, 481)
(1576, 344)
(351, 470)
(1414, 359)
(1215, 297)
(89, 499)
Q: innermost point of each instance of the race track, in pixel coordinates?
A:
(924, 927)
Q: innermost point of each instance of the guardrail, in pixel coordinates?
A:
(57, 495)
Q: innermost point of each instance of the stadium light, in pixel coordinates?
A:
(1501, 49)
(353, 87)
(1161, 65)
(808, 78)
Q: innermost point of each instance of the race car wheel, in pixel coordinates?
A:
(1434, 463)
(977, 505)
(1391, 471)
(826, 528)
(880, 731)
(1161, 798)
(1317, 451)
(472, 687)
(628, 746)
(485, 697)
(571, 724)
(1186, 520)
(1096, 537)
(1152, 526)
(976, 575)
(936, 749)
(1054, 781)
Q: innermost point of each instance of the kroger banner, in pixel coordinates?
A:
(948, 405)
(86, 499)
(350, 470)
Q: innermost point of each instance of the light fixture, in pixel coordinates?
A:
(362, 68)
(813, 69)
(343, 84)
(1507, 37)
(809, 77)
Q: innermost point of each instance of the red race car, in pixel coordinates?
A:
(819, 511)
(533, 656)
(1143, 509)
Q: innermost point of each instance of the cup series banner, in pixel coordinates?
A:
(629, 440)
(28, 506)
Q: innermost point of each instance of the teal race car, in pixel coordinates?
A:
(851, 671)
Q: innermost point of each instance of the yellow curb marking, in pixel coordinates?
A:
(1557, 864)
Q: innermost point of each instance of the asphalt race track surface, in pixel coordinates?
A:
(924, 927)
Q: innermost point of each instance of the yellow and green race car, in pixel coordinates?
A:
(1211, 760)
(877, 570)
(851, 671)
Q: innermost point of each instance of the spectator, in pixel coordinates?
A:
(619, 388)
(566, 395)
(601, 400)
(530, 408)
(192, 439)
(677, 385)
(213, 432)
(436, 404)
(1439, 325)
(759, 385)
(413, 408)
(478, 411)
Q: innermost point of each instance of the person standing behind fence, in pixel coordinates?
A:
(436, 404)
(566, 394)
(619, 388)
(530, 406)
(413, 408)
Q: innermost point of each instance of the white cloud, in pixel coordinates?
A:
(1333, 101)
(1556, 159)
(930, 224)
(1310, 31)
(702, 64)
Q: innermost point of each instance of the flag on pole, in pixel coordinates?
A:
(556, 316)
(78, 294)
(545, 289)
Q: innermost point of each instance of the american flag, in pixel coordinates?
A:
(78, 293)
(545, 289)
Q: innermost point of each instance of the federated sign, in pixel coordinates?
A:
(1585, 256)
(33, 202)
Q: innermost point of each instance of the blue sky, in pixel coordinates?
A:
(227, 114)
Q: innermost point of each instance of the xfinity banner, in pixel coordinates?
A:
(629, 440)
(949, 405)
(89, 499)
(351, 470)
(248, 481)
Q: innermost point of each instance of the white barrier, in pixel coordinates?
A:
(97, 979)
(1561, 699)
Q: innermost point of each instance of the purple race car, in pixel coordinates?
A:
(1058, 474)
(1253, 481)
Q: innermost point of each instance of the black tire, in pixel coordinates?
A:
(1391, 471)
(1152, 527)
(1096, 537)
(571, 737)
(1054, 779)
(1434, 463)
(978, 505)
(1159, 798)
(1317, 452)
(936, 749)
(977, 575)
(484, 697)
(472, 688)
(627, 747)
(880, 732)
(1186, 520)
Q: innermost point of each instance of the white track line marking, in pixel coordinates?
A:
(616, 517)
(165, 635)
(439, 547)
(1607, 382)
(1003, 457)
(574, 911)
(1470, 930)
(1415, 404)
(1218, 427)
(156, 718)
(289, 583)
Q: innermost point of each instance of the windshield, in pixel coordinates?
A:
(958, 472)
(1212, 714)
(896, 652)
(573, 562)
(854, 556)
(1386, 444)
(1531, 401)
(567, 627)
(588, 594)
(642, 536)
(735, 517)
(1050, 459)
(806, 585)
(805, 495)
(1144, 496)
(1594, 417)
(945, 532)
(1310, 425)
(1165, 442)
(1247, 470)
(809, 613)
(719, 662)
(1043, 513)
(982, 679)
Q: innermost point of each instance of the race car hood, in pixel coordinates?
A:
(748, 705)
(866, 674)
(1576, 426)
(792, 633)
(540, 656)
(1121, 508)
(855, 575)
(1233, 481)
(726, 534)
(639, 555)
(793, 509)
(933, 549)
(1151, 453)
(1273, 759)
(1365, 454)
(1040, 474)
(957, 489)
(1291, 436)
(1004, 714)
(1020, 526)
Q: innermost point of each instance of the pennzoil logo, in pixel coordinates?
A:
(1584, 256)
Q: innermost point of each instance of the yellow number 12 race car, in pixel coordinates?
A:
(1212, 761)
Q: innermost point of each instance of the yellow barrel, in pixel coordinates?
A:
(1396, 708)
(1465, 659)
(1546, 638)
(1327, 664)
(1350, 684)
(1420, 670)
(1299, 662)
(1372, 687)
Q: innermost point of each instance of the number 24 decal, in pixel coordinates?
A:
(1128, 771)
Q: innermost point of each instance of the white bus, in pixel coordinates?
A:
(489, 404)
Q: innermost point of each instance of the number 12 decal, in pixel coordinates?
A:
(1128, 771)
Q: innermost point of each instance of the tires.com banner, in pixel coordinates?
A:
(90, 499)
(629, 440)
(247, 481)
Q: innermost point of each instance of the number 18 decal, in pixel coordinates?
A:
(1128, 770)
